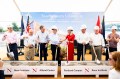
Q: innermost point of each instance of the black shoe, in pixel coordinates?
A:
(37, 54)
(20, 53)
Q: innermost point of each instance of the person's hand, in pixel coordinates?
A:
(83, 43)
(46, 45)
(1, 64)
(5, 35)
(71, 41)
(108, 39)
(25, 37)
(58, 45)
(60, 41)
(103, 49)
(30, 45)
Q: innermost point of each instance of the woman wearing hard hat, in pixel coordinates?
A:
(70, 44)
(113, 39)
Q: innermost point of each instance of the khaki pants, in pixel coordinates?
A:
(98, 52)
(29, 53)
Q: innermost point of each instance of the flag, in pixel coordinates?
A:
(22, 30)
(103, 33)
(28, 21)
(28, 25)
(98, 24)
(103, 27)
(22, 26)
(32, 25)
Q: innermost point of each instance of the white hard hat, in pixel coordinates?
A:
(70, 28)
(9, 26)
(96, 28)
(83, 26)
(54, 27)
(114, 27)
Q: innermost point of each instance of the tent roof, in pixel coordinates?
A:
(112, 15)
(9, 11)
(62, 5)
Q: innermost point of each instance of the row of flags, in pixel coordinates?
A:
(23, 29)
(101, 26)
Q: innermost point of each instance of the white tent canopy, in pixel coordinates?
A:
(62, 5)
(112, 15)
(10, 12)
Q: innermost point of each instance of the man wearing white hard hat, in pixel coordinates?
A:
(43, 39)
(113, 39)
(55, 44)
(82, 40)
(70, 44)
(29, 45)
(11, 37)
(97, 41)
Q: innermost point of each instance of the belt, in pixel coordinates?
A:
(54, 44)
(98, 46)
(42, 43)
(11, 43)
(29, 47)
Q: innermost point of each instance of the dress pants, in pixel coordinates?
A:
(110, 50)
(98, 51)
(13, 48)
(80, 51)
(43, 49)
(2, 74)
(55, 53)
(29, 53)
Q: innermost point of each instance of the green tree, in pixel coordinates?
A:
(15, 27)
(1, 29)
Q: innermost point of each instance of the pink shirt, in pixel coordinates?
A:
(10, 37)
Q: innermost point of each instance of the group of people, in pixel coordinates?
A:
(43, 38)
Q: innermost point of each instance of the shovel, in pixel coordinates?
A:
(10, 55)
(84, 63)
(97, 61)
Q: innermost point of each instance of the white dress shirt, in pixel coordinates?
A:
(54, 39)
(10, 37)
(29, 40)
(97, 39)
(83, 37)
(113, 74)
(42, 37)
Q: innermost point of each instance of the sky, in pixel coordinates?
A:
(64, 19)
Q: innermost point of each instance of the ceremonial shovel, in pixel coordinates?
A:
(39, 49)
(10, 54)
(67, 56)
